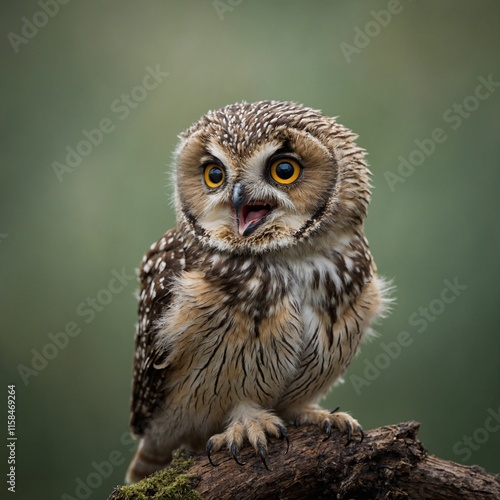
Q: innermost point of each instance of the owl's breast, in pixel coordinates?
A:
(246, 329)
(234, 333)
(335, 316)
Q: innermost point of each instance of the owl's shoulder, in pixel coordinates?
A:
(165, 254)
(165, 259)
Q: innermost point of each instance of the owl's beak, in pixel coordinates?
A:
(249, 214)
(238, 197)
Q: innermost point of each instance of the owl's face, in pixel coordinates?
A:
(267, 176)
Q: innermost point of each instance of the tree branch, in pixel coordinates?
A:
(390, 463)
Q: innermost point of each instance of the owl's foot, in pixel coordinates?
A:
(252, 424)
(329, 420)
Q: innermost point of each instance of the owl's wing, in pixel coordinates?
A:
(165, 260)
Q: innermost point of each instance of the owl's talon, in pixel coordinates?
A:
(262, 454)
(234, 454)
(328, 430)
(349, 432)
(328, 420)
(284, 435)
(210, 445)
(250, 424)
(362, 433)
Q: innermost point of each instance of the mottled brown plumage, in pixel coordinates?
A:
(256, 303)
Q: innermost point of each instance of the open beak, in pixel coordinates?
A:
(249, 214)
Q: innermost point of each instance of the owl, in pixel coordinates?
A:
(257, 301)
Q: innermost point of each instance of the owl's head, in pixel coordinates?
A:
(269, 175)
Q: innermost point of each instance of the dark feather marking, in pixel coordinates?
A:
(299, 390)
(356, 313)
(313, 220)
(272, 365)
(262, 377)
(204, 367)
(220, 370)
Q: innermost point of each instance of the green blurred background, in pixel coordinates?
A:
(62, 237)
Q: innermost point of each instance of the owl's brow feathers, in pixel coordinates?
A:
(241, 125)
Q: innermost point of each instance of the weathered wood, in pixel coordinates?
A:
(390, 463)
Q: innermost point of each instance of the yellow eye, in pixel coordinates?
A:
(285, 171)
(213, 175)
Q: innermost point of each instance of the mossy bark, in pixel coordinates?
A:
(390, 463)
(173, 483)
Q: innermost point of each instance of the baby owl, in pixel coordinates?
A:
(258, 300)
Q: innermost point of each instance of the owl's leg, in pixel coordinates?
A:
(249, 422)
(327, 420)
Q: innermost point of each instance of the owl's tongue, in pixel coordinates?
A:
(250, 217)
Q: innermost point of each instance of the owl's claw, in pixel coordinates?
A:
(262, 454)
(254, 425)
(234, 454)
(349, 432)
(362, 433)
(328, 420)
(210, 445)
(328, 430)
(284, 435)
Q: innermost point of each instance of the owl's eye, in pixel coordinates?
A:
(285, 171)
(213, 175)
